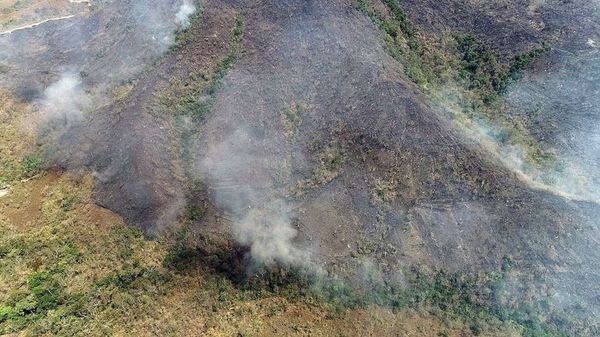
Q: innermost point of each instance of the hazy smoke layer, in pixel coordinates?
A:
(182, 17)
(155, 22)
(112, 43)
(69, 68)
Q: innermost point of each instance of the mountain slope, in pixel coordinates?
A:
(340, 137)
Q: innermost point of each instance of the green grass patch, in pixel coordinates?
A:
(519, 64)
(451, 296)
(472, 300)
(333, 163)
(197, 104)
(32, 165)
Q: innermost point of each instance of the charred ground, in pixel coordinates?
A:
(331, 120)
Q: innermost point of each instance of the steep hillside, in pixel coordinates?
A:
(430, 160)
(69, 267)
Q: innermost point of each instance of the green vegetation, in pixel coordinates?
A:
(18, 158)
(334, 162)
(198, 97)
(47, 308)
(519, 64)
(479, 69)
(49, 300)
(65, 274)
(197, 105)
(181, 254)
(68, 203)
(451, 296)
(331, 159)
(384, 191)
(32, 165)
(405, 26)
(482, 72)
(461, 74)
(184, 36)
(70, 268)
(12, 169)
(43, 292)
(422, 64)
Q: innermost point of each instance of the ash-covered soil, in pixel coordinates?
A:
(452, 206)
(318, 147)
(107, 43)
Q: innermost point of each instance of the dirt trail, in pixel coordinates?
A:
(25, 15)
(37, 24)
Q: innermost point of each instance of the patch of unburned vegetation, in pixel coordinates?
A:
(192, 97)
(330, 162)
(291, 118)
(68, 267)
(461, 75)
(196, 97)
(384, 191)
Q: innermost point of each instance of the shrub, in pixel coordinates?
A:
(45, 290)
(68, 203)
(6, 313)
(194, 213)
(32, 165)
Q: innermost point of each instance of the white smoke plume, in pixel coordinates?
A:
(541, 98)
(238, 174)
(186, 10)
(65, 101)
(268, 233)
(570, 88)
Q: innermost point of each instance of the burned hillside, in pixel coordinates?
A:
(351, 140)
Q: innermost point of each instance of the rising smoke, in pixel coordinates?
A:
(186, 10)
(562, 107)
(237, 170)
(269, 234)
(147, 29)
(321, 55)
(73, 71)
(65, 101)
